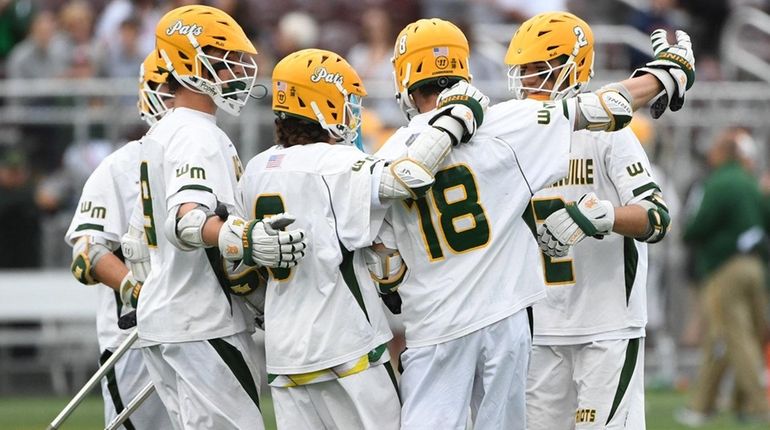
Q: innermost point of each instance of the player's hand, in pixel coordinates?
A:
(129, 291)
(589, 216)
(133, 244)
(673, 66)
(385, 266)
(269, 245)
(464, 104)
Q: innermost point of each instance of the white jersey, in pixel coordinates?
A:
(186, 158)
(597, 292)
(469, 252)
(105, 206)
(325, 311)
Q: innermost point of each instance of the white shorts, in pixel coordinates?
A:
(486, 370)
(363, 401)
(597, 385)
(122, 384)
(208, 384)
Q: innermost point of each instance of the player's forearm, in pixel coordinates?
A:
(110, 271)
(631, 221)
(642, 89)
(210, 230)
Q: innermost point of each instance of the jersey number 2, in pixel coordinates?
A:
(558, 271)
(456, 199)
(265, 206)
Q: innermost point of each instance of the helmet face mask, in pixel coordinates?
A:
(207, 52)
(539, 41)
(547, 81)
(347, 130)
(322, 87)
(154, 97)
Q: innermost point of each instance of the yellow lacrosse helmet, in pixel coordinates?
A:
(548, 36)
(321, 86)
(152, 99)
(426, 51)
(181, 38)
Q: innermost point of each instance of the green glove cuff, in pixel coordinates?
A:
(248, 244)
(473, 104)
(581, 220)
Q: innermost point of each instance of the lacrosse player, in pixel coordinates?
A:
(587, 361)
(100, 220)
(469, 252)
(195, 338)
(325, 329)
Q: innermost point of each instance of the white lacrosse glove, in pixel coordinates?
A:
(262, 242)
(130, 288)
(589, 216)
(461, 104)
(386, 267)
(136, 253)
(673, 66)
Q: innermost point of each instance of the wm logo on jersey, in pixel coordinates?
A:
(96, 211)
(194, 172)
(581, 172)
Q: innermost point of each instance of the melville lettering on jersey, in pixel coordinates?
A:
(581, 172)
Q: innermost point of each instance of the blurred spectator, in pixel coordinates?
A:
(57, 196)
(43, 54)
(729, 232)
(660, 14)
(509, 10)
(85, 55)
(708, 17)
(123, 58)
(15, 16)
(371, 59)
(296, 30)
(19, 218)
(118, 11)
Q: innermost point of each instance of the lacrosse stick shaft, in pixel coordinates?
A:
(132, 406)
(94, 381)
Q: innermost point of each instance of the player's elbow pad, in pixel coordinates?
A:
(403, 179)
(606, 110)
(86, 253)
(412, 176)
(186, 232)
(658, 218)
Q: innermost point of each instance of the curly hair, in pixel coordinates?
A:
(290, 131)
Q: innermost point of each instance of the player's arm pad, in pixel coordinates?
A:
(606, 110)
(86, 253)
(658, 218)
(186, 232)
(136, 253)
(412, 176)
(386, 268)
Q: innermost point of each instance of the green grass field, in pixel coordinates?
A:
(35, 414)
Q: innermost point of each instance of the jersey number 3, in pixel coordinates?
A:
(461, 217)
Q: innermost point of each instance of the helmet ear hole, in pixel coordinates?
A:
(301, 102)
(330, 104)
